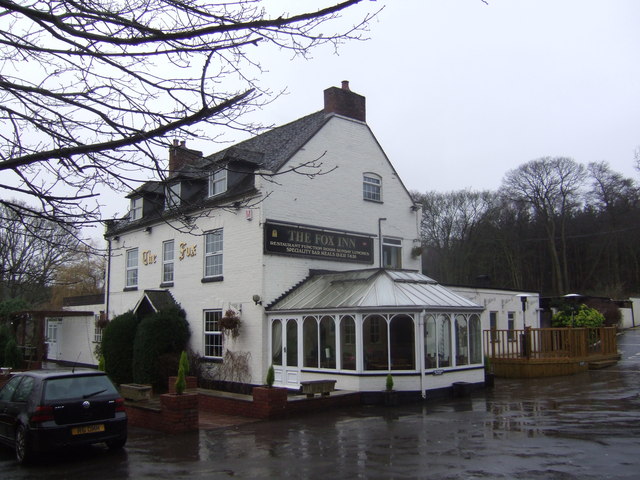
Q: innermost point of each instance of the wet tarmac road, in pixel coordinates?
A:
(585, 427)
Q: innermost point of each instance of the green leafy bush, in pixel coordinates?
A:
(5, 336)
(581, 316)
(183, 369)
(389, 383)
(271, 376)
(159, 335)
(117, 347)
(12, 354)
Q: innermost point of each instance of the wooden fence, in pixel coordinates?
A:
(532, 352)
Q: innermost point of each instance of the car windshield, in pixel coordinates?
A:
(77, 387)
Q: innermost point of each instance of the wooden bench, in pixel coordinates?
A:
(323, 387)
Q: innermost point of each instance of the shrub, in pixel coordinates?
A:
(5, 336)
(271, 376)
(582, 316)
(389, 383)
(12, 354)
(117, 347)
(160, 336)
(183, 369)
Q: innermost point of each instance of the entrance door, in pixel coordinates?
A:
(52, 338)
(284, 352)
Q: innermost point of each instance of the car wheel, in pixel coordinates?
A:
(23, 451)
(116, 444)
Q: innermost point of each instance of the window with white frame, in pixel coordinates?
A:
(97, 334)
(218, 182)
(132, 268)
(372, 187)
(172, 195)
(135, 209)
(167, 261)
(391, 252)
(213, 254)
(213, 340)
(511, 326)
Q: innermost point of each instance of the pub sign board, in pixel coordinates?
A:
(315, 242)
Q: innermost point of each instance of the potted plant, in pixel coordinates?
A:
(230, 323)
(271, 376)
(390, 395)
(183, 369)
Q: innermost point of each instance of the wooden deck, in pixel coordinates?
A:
(547, 352)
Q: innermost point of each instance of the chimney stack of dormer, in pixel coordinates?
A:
(180, 155)
(344, 102)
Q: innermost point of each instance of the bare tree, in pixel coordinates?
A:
(90, 91)
(448, 225)
(31, 251)
(551, 187)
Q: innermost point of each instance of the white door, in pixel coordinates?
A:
(52, 338)
(284, 352)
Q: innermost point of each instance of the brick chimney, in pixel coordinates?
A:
(344, 102)
(179, 156)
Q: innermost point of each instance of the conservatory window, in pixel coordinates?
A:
(348, 342)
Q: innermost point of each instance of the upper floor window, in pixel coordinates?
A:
(213, 254)
(135, 210)
(132, 268)
(167, 261)
(372, 187)
(218, 182)
(391, 252)
(172, 195)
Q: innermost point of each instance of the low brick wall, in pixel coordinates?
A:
(176, 413)
(179, 413)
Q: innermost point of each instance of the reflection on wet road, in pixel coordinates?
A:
(585, 427)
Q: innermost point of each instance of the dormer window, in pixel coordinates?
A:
(371, 187)
(172, 196)
(135, 210)
(218, 182)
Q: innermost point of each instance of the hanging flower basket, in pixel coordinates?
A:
(102, 321)
(230, 323)
(416, 251)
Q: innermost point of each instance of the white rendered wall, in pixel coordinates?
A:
(331, 201)
(502, 302)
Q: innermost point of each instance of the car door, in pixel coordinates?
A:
(18, 404)
(6, 394)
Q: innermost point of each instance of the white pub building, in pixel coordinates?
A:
(309, 235)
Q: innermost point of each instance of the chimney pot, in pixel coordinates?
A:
(345, 85)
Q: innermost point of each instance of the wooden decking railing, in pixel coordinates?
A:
(552, 344)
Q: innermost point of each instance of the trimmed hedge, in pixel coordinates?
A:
(117, 347)
(158, 342)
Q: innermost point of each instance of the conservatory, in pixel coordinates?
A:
(357, 326)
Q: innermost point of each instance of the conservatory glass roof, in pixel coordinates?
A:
(371, 289)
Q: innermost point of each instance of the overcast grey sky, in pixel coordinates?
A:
(459, 92)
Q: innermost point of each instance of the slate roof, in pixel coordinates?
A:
(157, 299)
(372, 289)
(271, 149)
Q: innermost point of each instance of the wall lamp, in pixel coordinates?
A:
(148, 229)
(257, 300)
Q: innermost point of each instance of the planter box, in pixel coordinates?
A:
(135, 392)
(179, 412)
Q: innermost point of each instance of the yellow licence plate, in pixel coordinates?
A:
(87, 429)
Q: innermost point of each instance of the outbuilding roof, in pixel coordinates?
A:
(371, 289)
